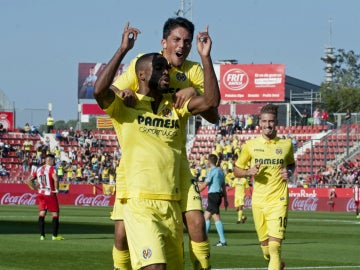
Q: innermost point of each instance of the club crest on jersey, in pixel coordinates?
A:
(166, 112)
(180, 76)
(278, 151)
(146, 253)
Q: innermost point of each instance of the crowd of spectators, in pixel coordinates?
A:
(31, 129)
(80, 157)
(228, 125)
(343, 175)
(85, 159)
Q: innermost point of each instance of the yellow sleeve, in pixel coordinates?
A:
(197, 78)
(244, 157)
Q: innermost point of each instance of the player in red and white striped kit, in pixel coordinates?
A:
(356, 192)
(45, 181)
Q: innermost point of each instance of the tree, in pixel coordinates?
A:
(344, 92)
(91, 125)
(347, 69)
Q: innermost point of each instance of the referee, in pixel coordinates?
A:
(215, 181)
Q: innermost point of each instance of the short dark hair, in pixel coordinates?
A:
(176, 22)
(269, 108)
(213, 159)
(144, 58)
(50, 155)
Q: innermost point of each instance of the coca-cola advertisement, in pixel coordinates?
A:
(98, 200)
(78, 195)
(22, 199)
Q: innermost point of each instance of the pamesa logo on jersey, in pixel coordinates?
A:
(159, 122)
(269, 161)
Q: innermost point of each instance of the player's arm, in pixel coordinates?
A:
(196, 89)
(291, 168)
(287, 172)
(211, 98)
(239, 172)
(180, 97)
(56, 182)
(202, 185)
(211, 115)
(103, 93)
(31, 183)
(127, 82)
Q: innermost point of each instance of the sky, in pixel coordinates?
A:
(42, 42)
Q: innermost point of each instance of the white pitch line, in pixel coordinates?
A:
(297, 268)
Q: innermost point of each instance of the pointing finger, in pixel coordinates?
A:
(207, 28)
(126, 26)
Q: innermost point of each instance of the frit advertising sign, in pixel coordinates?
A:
(261, 82)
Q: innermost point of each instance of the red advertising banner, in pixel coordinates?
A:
(307, 199)
(7, 120)
(301, 199)
(252, 82)
(91, 109)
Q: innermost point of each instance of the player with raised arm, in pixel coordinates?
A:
(186, 80)
(152, 152)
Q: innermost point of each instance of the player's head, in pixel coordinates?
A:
(178, 34)
(213, 159)
(152, 70)
(50, 159)
(173, 23)
(268, 120)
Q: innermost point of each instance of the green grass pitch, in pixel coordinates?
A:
(314, 240)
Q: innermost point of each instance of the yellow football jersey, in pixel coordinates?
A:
(151, 146)
(269, 187)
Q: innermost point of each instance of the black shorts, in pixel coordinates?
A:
(214, 202)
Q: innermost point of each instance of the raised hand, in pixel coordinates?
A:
(204, 42)
(128, 37)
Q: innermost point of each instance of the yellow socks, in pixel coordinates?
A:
(275, 254)
(121, 259)
(240, 215)
(201, 254)
(265, 251)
